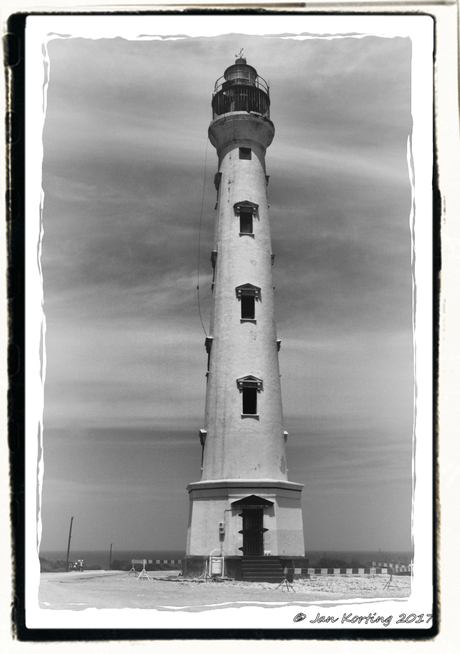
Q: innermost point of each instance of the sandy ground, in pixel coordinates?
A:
(117, 590)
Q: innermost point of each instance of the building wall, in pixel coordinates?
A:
(212, 504)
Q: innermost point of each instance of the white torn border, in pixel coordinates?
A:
(40, 30)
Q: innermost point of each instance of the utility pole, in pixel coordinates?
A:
(68, 545)
(110, 561)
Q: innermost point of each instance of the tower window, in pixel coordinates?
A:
(248, 294)
(245, 211)
(248, 307)
(250, 401)
(245, 153)
(249, 386)
(246, 222)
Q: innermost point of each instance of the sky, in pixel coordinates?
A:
(126, 171)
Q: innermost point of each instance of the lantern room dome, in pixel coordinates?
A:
(240, 70)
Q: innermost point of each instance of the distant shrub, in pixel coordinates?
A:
(53, 566)
(46, 565)
(121, 564)
(327, 562)
(93, 567)
(60, 565)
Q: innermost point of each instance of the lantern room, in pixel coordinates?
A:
(241, 89)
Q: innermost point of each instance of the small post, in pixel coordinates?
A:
(68, 544)
(110, 560)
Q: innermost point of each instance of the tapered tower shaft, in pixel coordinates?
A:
(244, 424)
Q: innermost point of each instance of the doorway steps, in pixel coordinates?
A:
(262, 568)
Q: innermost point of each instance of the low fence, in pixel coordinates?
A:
(385, 569)
(302, 572)
(395, 568)
(347, 571)
(158, 564)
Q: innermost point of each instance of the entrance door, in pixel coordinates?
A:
(253, 532)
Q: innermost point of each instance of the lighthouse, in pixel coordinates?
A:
(244, 510)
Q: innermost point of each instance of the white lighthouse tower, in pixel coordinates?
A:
(243, 508)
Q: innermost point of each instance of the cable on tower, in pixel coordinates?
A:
(199, 240)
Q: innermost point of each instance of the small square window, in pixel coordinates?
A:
(250, 401)
(246, 222)
(245, 153)
(248, 307)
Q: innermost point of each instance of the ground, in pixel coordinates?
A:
(117, 590)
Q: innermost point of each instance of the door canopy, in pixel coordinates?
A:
(251, 502)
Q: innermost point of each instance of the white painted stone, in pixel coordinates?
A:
(211, 503)
(243, 454)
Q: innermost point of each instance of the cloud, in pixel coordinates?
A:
(104, 374)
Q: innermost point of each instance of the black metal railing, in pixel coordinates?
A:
(239, 96)
(258, 82)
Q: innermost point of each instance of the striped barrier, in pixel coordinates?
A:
(139, 575)
(379, 569)
(376, 569)
(156, 561)
(165, 561)
(395, 567)
(153, 564)
(143, 574)
(347, 571)
(331, 572)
